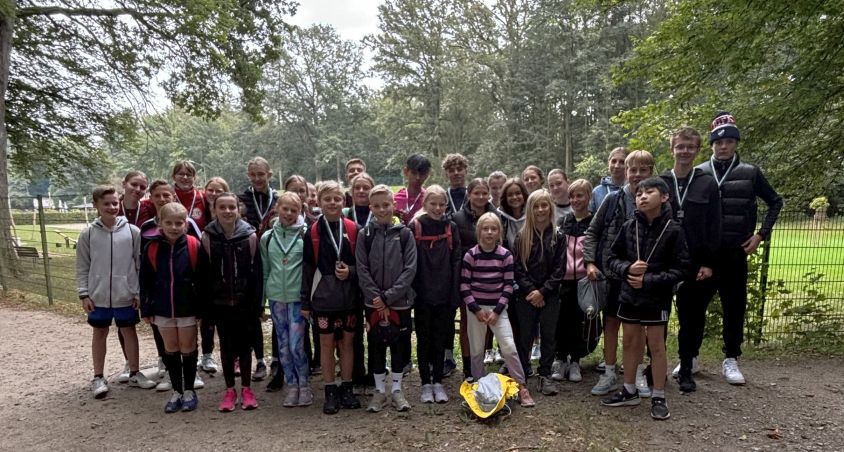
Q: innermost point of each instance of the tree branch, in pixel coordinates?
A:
(89, 12)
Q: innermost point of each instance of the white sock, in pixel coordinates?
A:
(449, 354)
(396, 381)
(631, 389)
(658, 393)
(610, 369)
(379, 382)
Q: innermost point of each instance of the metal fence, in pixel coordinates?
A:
(795, 286)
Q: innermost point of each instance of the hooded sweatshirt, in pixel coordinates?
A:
(107, 263)
(600, 192)
(512, 226)
(171, 288)
(235, 277)
(281, 253)
(386, 264)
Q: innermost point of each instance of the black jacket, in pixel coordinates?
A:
(701, 220)
(668, 264)
(466, 221)
(260, 206)
(605, 226)
(545, 265)
(437, 280)
(235, 272)
(330, 293)
(171, 288)
(739, 190)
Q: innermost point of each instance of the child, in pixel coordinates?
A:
(576, 337)
(173, 265)
(613, 182)
(329, 286)
(107, 281)
(259, 199)
(486, 285)
(213, 188)
(466, 219)
(455, 167)
(354, 167)
(386, 265)
(512, 211)
(313, 203)
(496, 180)
(233, 294)
(617, 207)
(540, 265)
(184, 175)
(533, 177)
(558, 185)
(408, 199)
(359, 210)
(436, 286)
(281, 251)
(649, 256)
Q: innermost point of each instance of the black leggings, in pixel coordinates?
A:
(235, 326)
(206, 331)
(576, 335)
(432, 323)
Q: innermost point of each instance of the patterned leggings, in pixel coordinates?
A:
(290, 331)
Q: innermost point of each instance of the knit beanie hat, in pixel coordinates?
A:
(723, 126)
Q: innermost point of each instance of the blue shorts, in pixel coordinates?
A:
(123, 317)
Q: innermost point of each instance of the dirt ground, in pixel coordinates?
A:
(46, 404)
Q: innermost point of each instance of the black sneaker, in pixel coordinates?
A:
(332, 399)
(449, 366)
(687, 383)
(260, 372)
(623, 398)
(276, 382)
(659, 410)
(348, 400)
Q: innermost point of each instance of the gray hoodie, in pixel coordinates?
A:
(107, 263)
(388, 267)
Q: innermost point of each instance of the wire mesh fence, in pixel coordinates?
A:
(796, 285)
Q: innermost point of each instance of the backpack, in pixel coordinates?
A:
(351, 229)
(368, 238)
(417, 234)
(193, 252)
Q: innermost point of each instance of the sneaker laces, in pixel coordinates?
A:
(731, 366)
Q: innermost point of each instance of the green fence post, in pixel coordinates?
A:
(763, 284)
(45, 250)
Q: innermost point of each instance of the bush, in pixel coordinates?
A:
(53, 217)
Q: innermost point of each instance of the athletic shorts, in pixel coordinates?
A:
(174, 322)
(335, 322)
(123, 317)
(628, 313)
(613, 295)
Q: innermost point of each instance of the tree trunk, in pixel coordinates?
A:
(8, 258)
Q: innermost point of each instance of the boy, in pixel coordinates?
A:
(649, 257)
(611, 183)
(455, 167)
(409, 199)
(740, 184)
(617, 208)
(558, 185)
(696, 204)
(496, 181)
(354, 167)
(386, 265)
(107, 280)
(329, 293)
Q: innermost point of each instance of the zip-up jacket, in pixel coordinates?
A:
(668, 265)
(107, 263)
(600, 192)
(701, 220)
(234, 276)
(742, 184)
(387, 268)
(172, 289)
(511, 227)
(466, 220)
(406, 208)
(574, 231)
(283, 271)
(437, 267)
(260, 206)
(321, 290)
(605, 226)
(545, 265)
(487, 278)
(150, 230)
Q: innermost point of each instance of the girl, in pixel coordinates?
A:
(313, 203)
(436, 286)
(477, 203)
(215, 187)
(234, 294)
(613, 182)
(329, 293)
(512, 211)
(361, 186)
(558, 185)
(184, 175)
(281, 253)
(172, 267)
(298, 185)
(533, 177)
(486, 285)
(539, 269)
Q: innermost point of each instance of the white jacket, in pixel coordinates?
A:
(107, 263)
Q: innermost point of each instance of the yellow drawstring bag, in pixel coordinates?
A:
(487, 396)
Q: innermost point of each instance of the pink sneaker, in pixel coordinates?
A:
(247, 399)
(229, 399)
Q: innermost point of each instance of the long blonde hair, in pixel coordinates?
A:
(433, 190)
(529, 229)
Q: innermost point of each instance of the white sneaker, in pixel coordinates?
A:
(124, 376)
(99, 387)
(164, 384)
(198, 383)
(208, 364)
(498, 358)
(558, 370)
(427, 394)
(534, 353)
(642, 382)
(695, 368)
(162, 369)
(732, 372)
(573, 372)
(439, 394)
(606, 383)
(139, 380)
(489, 357)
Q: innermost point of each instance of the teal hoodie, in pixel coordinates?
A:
(282, 271)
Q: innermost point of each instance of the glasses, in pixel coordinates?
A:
(185, 175)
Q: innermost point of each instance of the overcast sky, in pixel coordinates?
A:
(352, 19)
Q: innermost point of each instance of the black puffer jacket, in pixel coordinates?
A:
(235, 272)
(701, 220)
(668, 263)
(741, 186)
(466, 221)
(545, 265)
(605, 226)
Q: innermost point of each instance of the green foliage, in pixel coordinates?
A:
(820, 202)
(592, 169)
(809, 317)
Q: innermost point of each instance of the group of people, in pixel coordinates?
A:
(333, 265)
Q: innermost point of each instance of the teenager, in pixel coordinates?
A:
(455, 167)
(409, 198)
(611, 183)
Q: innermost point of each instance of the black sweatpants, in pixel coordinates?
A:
(576, 335)
(547, 316)
(236, 328)
(432, 323)
(206, 331)
(399, 352)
